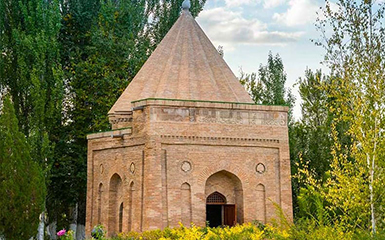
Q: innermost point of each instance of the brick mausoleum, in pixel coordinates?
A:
(187, 145)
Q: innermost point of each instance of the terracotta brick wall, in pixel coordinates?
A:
(175, 156)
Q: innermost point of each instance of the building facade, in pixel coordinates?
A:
(187, 145)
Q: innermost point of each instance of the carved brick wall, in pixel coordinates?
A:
(170, 152)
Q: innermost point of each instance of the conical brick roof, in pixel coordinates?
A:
(184, 66)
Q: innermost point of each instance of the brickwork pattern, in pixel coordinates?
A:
(169, 164)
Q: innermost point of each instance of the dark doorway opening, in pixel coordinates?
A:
(214, 215)
(218, 213)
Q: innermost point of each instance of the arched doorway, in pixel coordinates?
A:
(215, 203)
(224, 199)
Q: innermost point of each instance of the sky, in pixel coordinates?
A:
(249, 29)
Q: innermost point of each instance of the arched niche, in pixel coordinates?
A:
(186, 211)
(100, 199)
(115, 197)
(130, 206)
(228, 185)
(261, 203)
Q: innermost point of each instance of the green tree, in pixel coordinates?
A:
(30, 69)
(353, 36)
(314, 125)
(355, 53)
(31, 73)
(268, 86)
(310, 135)
(22, 183)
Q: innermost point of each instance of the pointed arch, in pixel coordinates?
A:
(216, 198)
(115, 197)
(261, 203)
(186, 211)
(230, 187)
(130, 205)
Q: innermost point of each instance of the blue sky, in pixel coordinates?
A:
(249, 29)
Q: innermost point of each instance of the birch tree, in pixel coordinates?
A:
(353, 36)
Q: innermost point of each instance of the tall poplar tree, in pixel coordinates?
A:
(30, 72)
(30, 69)
(268, 86)
(22, 182)
(310, 137)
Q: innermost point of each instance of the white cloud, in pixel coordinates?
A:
(334, 7)
(273, 3)
(300, 12)
(228, 27)
(266, 3)
(235, 3)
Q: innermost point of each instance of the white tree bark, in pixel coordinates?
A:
(73, 224)
(40, 229)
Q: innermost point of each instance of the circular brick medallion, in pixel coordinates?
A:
(260, 168)
(186, 166)
(132, 167)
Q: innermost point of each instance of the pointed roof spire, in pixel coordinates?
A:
(184, 66)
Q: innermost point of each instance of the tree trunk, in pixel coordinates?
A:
(74, 216)
(40, 229)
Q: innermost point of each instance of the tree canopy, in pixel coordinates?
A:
(22, 182)
(352, 192)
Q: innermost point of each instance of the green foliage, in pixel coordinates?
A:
(269, 86)
(30, 72)
(310, 230)
(22, 187)
(348, 193)
(310, 136)
(98, 232)
(304, 230)
(246, 231)
(355, 55)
